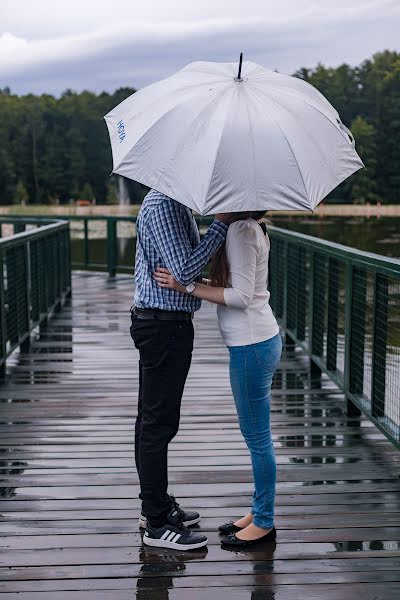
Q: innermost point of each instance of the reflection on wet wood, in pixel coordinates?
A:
(69, 491)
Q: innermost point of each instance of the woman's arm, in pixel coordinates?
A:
(206, 292)
(241, 249)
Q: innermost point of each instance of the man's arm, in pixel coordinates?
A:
(171, 238)
(242, 247)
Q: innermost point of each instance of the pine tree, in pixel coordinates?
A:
(87, 192)
(112, 194)
(21, 195)
(364, 185)
(388, 151)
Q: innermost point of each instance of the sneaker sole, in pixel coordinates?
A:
(148, 541)
(143, 522)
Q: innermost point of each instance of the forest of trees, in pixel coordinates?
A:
(55, 149)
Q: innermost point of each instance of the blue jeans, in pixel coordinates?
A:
(251, 371)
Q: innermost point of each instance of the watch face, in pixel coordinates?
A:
(190, 288)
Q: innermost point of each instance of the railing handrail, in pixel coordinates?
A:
(357, 257)
(40, 219)
(31, 234)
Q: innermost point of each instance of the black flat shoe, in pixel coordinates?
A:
(229, 528)
(235, 542)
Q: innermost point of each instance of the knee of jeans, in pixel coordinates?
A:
(257, 439)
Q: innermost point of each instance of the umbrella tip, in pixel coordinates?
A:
(239, 75)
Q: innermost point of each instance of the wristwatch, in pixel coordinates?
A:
(190, 287)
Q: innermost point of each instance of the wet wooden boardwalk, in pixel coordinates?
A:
(69, 492)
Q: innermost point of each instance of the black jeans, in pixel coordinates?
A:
(165, 349)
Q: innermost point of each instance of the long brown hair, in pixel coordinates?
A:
(219, 266)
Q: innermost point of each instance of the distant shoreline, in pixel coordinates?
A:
(325, 210)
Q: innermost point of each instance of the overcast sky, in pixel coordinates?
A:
(48, 46)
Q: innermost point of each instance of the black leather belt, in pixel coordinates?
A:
(161, 315)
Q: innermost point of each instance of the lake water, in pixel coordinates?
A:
(372, 234)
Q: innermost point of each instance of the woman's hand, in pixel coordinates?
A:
(164, 279)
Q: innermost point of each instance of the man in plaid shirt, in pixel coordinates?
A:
(162, 330)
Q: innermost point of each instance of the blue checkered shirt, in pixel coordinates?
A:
(168, 236)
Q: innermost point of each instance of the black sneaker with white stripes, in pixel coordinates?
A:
(173, 534)
(188, 517)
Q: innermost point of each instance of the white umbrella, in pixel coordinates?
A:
(221, 141)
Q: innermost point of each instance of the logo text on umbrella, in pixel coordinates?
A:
(121, 130)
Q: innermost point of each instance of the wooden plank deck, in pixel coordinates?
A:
(69, 491)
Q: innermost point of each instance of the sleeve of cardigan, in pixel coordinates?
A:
(242, 246)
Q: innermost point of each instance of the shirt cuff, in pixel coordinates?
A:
(220, 228)
(231, 298)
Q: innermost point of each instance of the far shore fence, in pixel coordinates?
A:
(341, 305)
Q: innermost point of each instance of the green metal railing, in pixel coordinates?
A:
(86, 232)
(99, 242)
(35, 279)
(342, 306)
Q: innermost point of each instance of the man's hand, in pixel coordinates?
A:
(164, 279)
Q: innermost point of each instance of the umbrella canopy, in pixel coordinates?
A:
(217, 142)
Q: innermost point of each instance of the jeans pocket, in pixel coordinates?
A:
(268, 353)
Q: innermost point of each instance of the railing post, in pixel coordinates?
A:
(112, 249)
(380, 312)
(357, 331)
(3, 332)
(68, 260)
(58, 256)
(277, 277)
(285, 284)
(86, 243)
(26, 344)
(333, 314)
(317, 312)
(19, 227)
(44, 291)
(351, 409)
(301, 294)
(291, 287)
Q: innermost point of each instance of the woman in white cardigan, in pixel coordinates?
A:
(238, 285)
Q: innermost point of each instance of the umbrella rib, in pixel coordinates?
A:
(218, 145)
(253, 152)
(306, 102)
(146, 131)
(292, 152)
(317, 145)
(204, 109)
(161, 116)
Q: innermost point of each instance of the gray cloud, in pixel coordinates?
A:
(137, 53)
